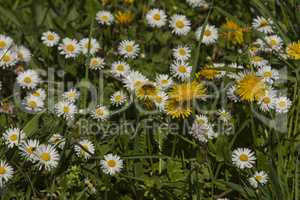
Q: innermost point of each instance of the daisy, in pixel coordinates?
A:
(182, 53)
(293, 50)
(129, 49)
(5, 42)
(118, 98)
(57, 140)
(259, 178)
(243, 158)
(24, 54)
(100, 113)
(96, 63)
(146, 91)
(85, 149)
(202, 130)
(119, 68)
(269, 75)
(274, 43)
(50, 39)
(258, 61)
(8, 58)
(71, 96)
(65, 109)
(263, 25)
(111, 164)
(28, 149)
(13, 137)
(224, 115)
(181, 70)
(90, 46)
(163, 81)
(210, 34)
(28, 79)
(196, 3)
(47, 157)
(69, 47)
(267, 102)
(40, 93)
(33, 103)
(6, 172)
(134, 79)
(282, 104)
(231, 94)
(209, 72)
(156, 18)
(180, 25)
(160, 100)
(104, 17)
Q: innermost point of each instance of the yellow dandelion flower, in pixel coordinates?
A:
(128, 1)
(233, 32)
(187, 91)
(124, 17)
(146, 90)
(293, 50)
(208, 72)
(250, 87)
(178, 109)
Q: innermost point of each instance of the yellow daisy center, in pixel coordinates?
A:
(2, 44)
(13, 137)
(268, 74)
(6, 58)
(70, 47)
(32, 104)
(85, 147)
(266, 100)
(129, 48)
(264, 23)
(30, 150)
(164, 82)
(244, 157)
(258, 178)
(27, 80)
(2, 170)
(36, 94)
(66, 109)
(94, 62)
(111, 163)
(50, 37)
(120, 67)
(157, 17)
(45, 156)
(182, 69)
(104, 18)
(118, 98)
(179, 24)
(257, 58)
(99, 111)
(207, 33)
(282, 104)
(273, 42)
(182, 52)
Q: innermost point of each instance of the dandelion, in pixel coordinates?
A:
(243, 158)
(124, 18)
(146, 90)
(233, 32)
(187, 91)
(111, 164)
(293, 50)
(209, 72)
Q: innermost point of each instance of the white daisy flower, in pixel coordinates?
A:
(196, 3)
(104, 17)
(160, 100)
(258, 179)
(156, 18)
(24, 54)
(119, 68)
(163, 81)
(129, 49)
(202, 130)
(282, 104)
(13, 137)
(97, 63)
(230, 92)
(243, 158)
(210, 34)
(180, 25)
(6, 172)
(85, 149)
(47, 157)
(50, 39)
(90, 46)
(33, 103)
(69, 47)
(57, 140)
(65, 109)
(111, 164)
(269, 75)
(224, 115)
(40, 93)
(8, 58)
(28, 79)
(28, 149)
(182, 53)
(263, 25)
(5, 42)
(267, 102)
(181, 70)
(71, 96)
(118, 98)
(258, 61)
(274, 43)
(100, 113)
(134, 79)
